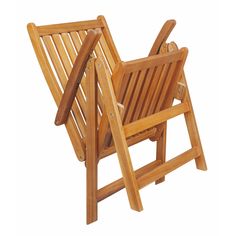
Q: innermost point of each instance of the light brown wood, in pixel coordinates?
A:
(109, 39)
(91, 142)
(112, 105)
(153, 61)
(68, 27)
(161, 150)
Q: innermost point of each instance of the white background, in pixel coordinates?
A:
(49, 192)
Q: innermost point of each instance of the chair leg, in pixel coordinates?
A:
(91, 143)
(121, 145)
(195, 139)
(193, 131)
(161, 151)
(91, 172)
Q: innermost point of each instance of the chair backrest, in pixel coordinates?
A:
(146, 86)
(56, 47)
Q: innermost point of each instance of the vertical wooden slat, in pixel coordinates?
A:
(72, 54)
(108, 38)
(129, 92)
(76, 40)
(142, 96)
(167, 82)
(107, 52)
(63, 79)
(151, 91)
(157, 91)
(136, 96)
(77, 44)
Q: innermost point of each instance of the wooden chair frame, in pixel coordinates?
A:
(114, 127)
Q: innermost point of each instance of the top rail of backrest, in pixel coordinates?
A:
(100, 22)
(153, 61)
(68, 27)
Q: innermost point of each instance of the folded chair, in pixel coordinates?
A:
(108, 105)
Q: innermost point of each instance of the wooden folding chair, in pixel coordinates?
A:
(109, 105)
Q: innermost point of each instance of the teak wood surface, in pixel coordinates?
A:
(108, 105)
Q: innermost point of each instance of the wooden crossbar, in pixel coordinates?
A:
(117, 185)
(168, 167)
(149, 173)
(155, 119)
(153, 61)
(68, 27)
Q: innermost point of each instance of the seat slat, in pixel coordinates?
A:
(63, 80)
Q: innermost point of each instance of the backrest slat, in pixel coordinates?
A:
(164, 92)
(107, 53)
(142, 96)
(151, 90)
(128, 97)
(149, 87)
(136, 94)
(164, 72)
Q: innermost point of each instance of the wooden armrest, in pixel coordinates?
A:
(162, 36)
(76, 75)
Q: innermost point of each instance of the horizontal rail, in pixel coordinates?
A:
(117, 185)
(168, 167)
(153, 61)
(68, 27)
(155, 119)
